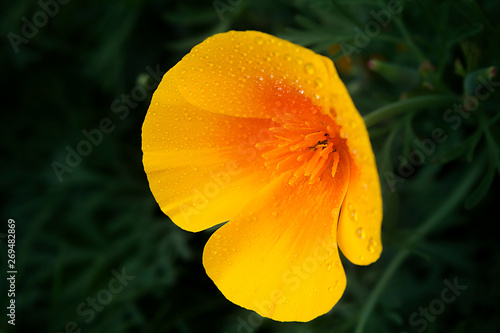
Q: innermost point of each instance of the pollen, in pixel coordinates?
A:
(307, 145)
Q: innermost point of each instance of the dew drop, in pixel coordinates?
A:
(298, 61)
(259, 40)
(288, 57)
(360, 233)
(354, 215)
(309, 68)
(275, 214)
(371, 248)
(318, 83)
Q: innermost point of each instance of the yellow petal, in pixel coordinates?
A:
(278, 257)
(229, 73)
(361, 219)
(202, 167)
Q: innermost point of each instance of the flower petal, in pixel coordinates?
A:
(361, 218)
(202, 167)
(278, 257)
(229, 73)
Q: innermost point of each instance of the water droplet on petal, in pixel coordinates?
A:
(275, 214)
(309, 68)
(360, 233)
(318, 83)
(259, 40)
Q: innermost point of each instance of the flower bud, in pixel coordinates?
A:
(404, 77)
(476, 78)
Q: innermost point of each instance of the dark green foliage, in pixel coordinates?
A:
(77, 231)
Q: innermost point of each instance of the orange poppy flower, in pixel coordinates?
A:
(257, 131)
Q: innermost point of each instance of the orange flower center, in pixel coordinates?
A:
(309, 146)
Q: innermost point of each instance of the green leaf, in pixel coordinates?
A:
(459, 150)
(492, 144)
(472, 148)
(482, 189)
(464, 32)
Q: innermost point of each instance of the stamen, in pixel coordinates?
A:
(322, 165)
(277, 152)
(311, 165)
(336, 157)
(307, 146)
(287, 164)
(316, 137)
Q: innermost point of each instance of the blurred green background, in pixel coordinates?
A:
(68, 65)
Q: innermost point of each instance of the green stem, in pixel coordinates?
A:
(389, 38)
(406, 105)
(409, 41)
(490, 140)
(455, 198)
